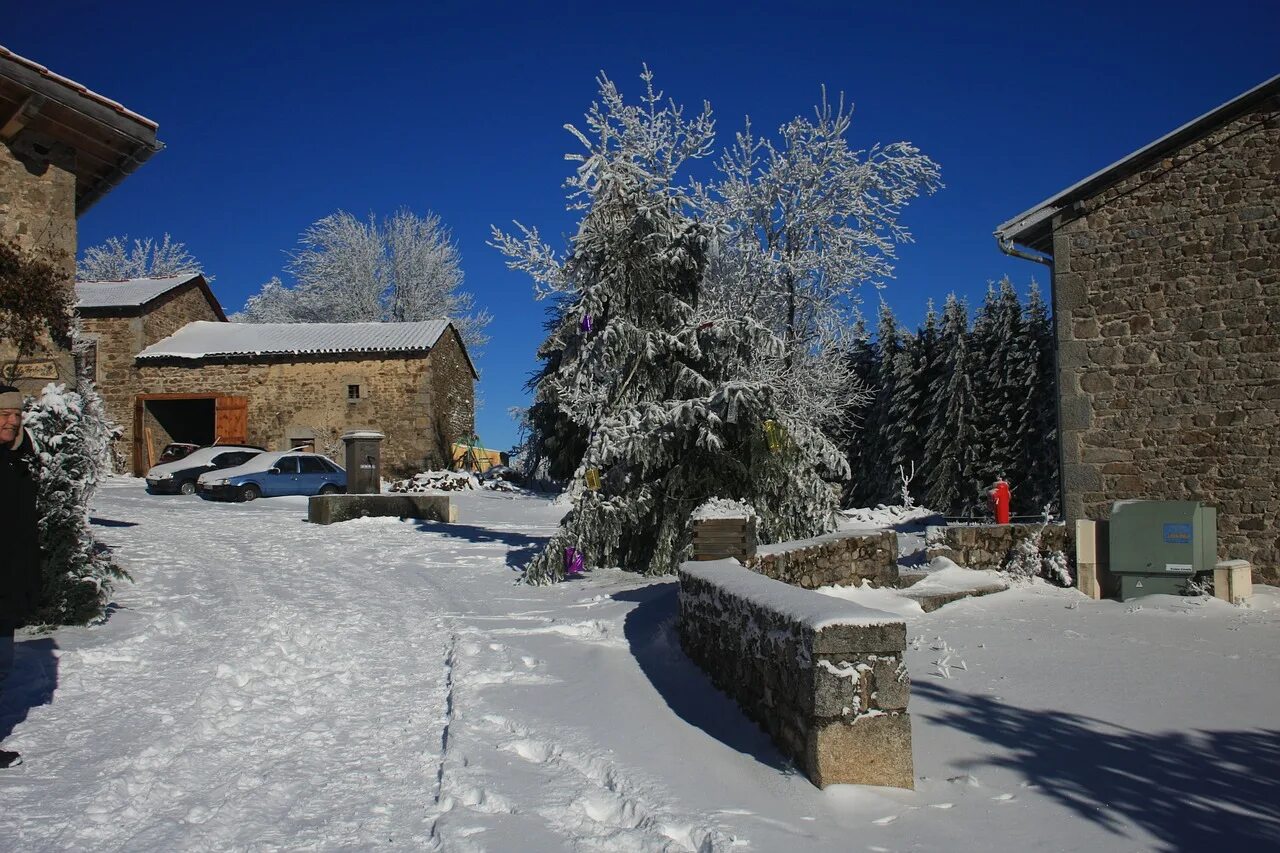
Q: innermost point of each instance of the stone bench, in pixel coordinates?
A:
(329, 509)
(823, 676)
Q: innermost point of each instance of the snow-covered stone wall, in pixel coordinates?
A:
(987, 546)
(823, 676)
(836, 559)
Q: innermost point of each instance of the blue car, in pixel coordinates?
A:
(273, 474)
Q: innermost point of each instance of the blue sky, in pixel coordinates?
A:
(275, 114)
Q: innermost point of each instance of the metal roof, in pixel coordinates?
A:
(204, 339)
(1032, 227)
(127, 293)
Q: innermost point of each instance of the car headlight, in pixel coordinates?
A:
(163, 476)
(211, 482)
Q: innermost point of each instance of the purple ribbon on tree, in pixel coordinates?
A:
(586, 323)
(572, 562)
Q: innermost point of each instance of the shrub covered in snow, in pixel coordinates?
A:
(1028, 559)
(73, 437)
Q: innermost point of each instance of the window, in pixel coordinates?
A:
(302, 443)
(312, 465)
(353, 392)
(287, 464)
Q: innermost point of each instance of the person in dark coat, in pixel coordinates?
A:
(19, 536)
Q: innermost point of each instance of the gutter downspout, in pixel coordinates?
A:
(1006, 246)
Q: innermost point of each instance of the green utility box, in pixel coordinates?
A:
(1156, 546)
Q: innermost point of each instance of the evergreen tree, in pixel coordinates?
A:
(916, 370)
(881, 429)
(674, 408)
(72, 435)
(952, 444)
(863, 359)
(1038, 418)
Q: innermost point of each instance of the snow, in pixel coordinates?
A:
(717, 508)
(197, 457)
(267, 684)
(128, 292)
(204, 338)
(799, 605)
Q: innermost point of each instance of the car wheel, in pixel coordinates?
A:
(329, 489)
(250, 493)
(188, 487)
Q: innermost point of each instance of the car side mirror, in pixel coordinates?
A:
(273, 470)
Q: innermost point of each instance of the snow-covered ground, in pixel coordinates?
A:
(272, 685)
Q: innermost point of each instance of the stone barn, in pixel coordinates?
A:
(1166, 299)
(283, 385)
(119, 319)
(64, 148)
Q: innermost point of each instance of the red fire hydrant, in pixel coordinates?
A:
(1000, 496)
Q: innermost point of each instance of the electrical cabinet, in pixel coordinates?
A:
(1156, 546)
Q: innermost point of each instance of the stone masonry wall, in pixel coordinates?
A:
(38, 212)
(835, 559)
(290, 399)
(1167, 306)
(119, 339)
(453, 395)
(987, 546)
(824, 677)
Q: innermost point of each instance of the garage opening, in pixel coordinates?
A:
(200, 419)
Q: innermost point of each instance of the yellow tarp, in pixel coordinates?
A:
(486, 458)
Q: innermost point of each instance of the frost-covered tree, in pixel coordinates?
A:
(997, 381)
(672, 403)
(863, 360)
(397, 269)
(953, 443)
(72, 436)
(916, 371)
(1037, 426)
(116, 258)
(802, 221)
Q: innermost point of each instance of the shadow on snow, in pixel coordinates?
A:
(650, 630)
(1193, 790)
(31, 683)
(523, 547)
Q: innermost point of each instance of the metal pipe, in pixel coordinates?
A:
(1006, 246)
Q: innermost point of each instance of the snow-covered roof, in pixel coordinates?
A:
(203, 339)
(1031, 227)
(127, 293)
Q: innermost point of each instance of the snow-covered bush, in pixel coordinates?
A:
(1028, 560)
(72, 436)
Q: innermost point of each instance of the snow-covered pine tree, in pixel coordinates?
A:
(916, 371)
(1038, 419)
(73, 437)
(675, 407)
(881, 428)
(863, 359)
(953, 486)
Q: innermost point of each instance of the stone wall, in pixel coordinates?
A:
(38, 212)
(289, 399)
(453, 402)
(824, 677)
(835, 559)
(120, 336)
(987, 546)
(1167, 299)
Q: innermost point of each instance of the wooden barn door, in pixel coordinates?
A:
(231, 420)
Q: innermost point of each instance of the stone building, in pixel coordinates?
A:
(282, 385)
(119, 319)
(64, 148)
(1166, 298)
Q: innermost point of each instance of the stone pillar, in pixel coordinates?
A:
(1092, 541)
(364, 462)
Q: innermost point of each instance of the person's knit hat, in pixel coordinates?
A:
(10, 397)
